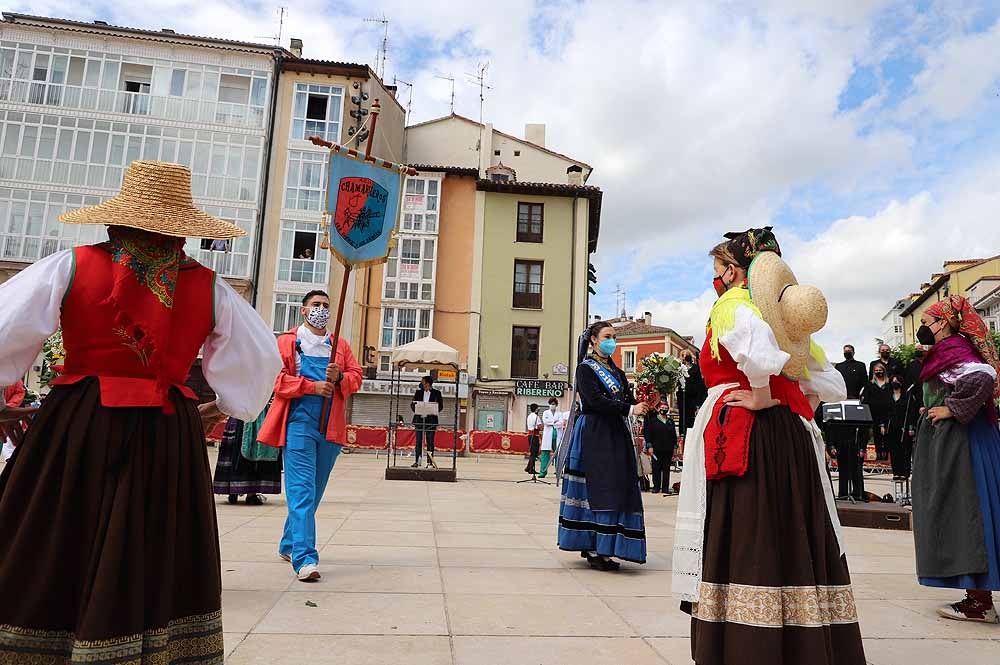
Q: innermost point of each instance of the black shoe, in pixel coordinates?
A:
(415, 465)
(233, 499)
(655, 490)
(255, 499)
(604, 565)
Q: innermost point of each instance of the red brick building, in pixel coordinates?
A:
(638, 338)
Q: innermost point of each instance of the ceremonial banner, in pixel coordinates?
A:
(363, 201)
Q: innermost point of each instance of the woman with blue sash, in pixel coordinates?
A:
(600, 514)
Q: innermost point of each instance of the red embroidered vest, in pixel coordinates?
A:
(727, 436)
(94, 347)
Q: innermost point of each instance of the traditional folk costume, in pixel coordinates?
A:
(956, 466)
(601, 506)
(758, 554)
(245, 466)
(110, 547)
(293, 424)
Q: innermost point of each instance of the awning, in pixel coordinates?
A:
(426, 351)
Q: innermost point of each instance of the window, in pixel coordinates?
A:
(234, 89)
(524, 353)
(897, 330)
(286, 312)
(409, 272)
(384, 363)
(517, 153)
(317, 111)
(300, 258)
(496, 153)
(420, 205)
(500, 177)
(177, 82)
(528, 284)
(628, 361)
(529, 222)
(402, 325)
(993, 325)
(95, 153)
(306, 180)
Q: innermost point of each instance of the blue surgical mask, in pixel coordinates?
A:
(608, 346)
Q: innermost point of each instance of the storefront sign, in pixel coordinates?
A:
(380, 387)
(447, 375)
(560, 369)
(533, 388)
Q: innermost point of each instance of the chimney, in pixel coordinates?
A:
(535, 133)
(574, 175)
(295, 46)
(649, 318)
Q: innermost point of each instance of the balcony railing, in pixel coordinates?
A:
(133, 103)
(528, 295)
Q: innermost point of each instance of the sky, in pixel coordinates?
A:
(864, 131)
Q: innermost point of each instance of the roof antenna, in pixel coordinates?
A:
(384, 50)
(281, 27)
(480, 79)
(452, 79)
(409, 101)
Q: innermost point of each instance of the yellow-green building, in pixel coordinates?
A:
(958, 277)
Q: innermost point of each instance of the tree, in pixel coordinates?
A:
(905, 353)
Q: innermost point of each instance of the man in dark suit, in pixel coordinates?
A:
(426, 426)
(892, 366)
(661, 438)
(692, 395)
(850, 442)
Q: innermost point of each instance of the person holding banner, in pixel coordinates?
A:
(600, 513)
(311, 372)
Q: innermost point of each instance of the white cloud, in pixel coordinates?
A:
(957, 75)
(864, 264)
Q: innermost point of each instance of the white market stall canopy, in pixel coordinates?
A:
(426, 351)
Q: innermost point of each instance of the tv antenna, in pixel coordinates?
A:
(480, 80)
(384, 49)
(452, 80)
(409, 102)
(620, 301)
(281, 27)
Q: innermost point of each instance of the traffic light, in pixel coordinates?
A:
(591, 278)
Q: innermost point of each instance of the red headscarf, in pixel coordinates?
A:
(962, 317)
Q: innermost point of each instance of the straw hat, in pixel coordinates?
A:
(156, 197)
(793, 311)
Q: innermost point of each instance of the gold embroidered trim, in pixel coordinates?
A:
(196, 640)
(774, 607)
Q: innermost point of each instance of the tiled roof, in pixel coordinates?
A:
(450, 170)
(164, 35)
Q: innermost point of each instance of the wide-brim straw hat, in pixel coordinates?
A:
(156, 197)
(793, 311)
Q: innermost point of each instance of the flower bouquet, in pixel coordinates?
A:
(55, 357)
(661, 375)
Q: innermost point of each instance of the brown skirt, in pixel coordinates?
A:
(775, 590)
(110, 550)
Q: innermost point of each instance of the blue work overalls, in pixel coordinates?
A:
(308, 461)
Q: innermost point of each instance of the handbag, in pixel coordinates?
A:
(253, 450)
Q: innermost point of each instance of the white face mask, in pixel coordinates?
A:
(552, 408)
(318, 316)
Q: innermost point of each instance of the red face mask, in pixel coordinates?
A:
(720, 283)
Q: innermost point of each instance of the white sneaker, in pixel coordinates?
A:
(308, 573)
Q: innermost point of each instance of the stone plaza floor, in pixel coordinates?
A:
(468, 573)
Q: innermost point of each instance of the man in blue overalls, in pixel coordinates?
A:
(308, 377)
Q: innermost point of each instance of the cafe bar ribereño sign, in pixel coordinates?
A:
(536, 388)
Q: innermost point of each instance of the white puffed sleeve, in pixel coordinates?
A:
(30, 306)
(824, 381)
(753, 346)
(240, 359)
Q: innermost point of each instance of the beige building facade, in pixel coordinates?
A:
(958, 277)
